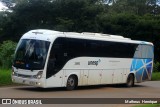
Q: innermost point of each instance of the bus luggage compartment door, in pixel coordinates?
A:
(85, 77)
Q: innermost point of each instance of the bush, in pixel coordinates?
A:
(7, 49)
(156, 67)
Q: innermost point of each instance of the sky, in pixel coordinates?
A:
(2, 6)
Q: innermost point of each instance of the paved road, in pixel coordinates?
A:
(150, 89)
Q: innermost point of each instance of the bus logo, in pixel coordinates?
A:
(94, 62)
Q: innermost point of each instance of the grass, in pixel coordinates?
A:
(148, 105)
(155, 76)
(5, 77)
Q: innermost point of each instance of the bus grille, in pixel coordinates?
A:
(24, 76)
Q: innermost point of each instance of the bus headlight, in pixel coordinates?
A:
(13, 72)
(39, 75)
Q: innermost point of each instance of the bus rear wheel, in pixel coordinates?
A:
(71, 83)
(130, 80)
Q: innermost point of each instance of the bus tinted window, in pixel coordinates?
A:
(31, 54)
(95, 48)
(57, 58)
(75, 47)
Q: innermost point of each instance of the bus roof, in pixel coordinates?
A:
(50, 35)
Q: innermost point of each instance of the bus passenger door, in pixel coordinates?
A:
(56, 62)
(56, 80)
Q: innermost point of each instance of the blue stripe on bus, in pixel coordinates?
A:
(142, 69)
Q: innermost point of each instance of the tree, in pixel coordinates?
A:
(8, 3)
(7, 49)
(136, 19)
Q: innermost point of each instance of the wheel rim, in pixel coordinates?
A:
(70, 82)
(130, 81)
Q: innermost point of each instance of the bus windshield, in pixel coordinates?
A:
(31, 54)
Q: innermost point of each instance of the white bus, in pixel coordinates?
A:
(45, 58)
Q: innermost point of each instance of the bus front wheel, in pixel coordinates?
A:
(130, 80)
(71, 83)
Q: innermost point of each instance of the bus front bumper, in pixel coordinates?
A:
(29, 81)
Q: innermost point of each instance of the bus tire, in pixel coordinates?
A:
(71, 83)
(130, 81)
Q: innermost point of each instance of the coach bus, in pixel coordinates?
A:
(46, 58)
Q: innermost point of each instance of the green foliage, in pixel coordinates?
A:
(156, 67)
(7, 49)
(155, 76)
(130, 18)
(148, 105)
(5, 77)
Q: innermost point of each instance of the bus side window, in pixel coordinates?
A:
(147, 51)
(138, 52)
(144, 51)
(51, 64)
(75, 47)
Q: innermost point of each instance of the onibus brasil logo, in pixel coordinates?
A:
(21, 101)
